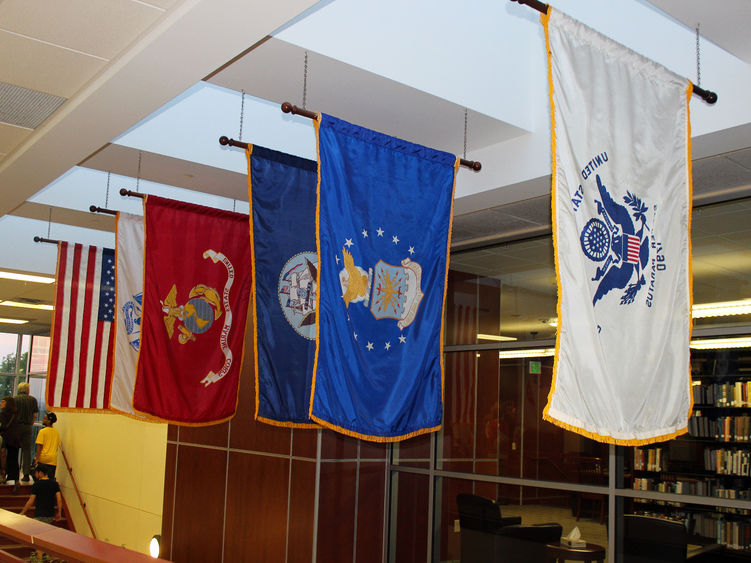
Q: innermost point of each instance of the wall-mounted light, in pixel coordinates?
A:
(721, 309)
(718, 343)
(495, 337)
(155, 546)
(13, 321)
(25, 277)
(27, 305)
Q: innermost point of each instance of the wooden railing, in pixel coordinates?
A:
(62, 544)
(78, 493)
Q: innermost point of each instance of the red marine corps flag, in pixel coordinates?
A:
(195, 304)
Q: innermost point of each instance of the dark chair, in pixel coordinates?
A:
(653, 540)
(526, 544)
(480, 519)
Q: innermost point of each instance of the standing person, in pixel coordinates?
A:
(11, 433)
(27, 413)
(48, 440)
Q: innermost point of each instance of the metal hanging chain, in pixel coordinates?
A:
(49, 223)
(242, 115)
(138, 176)
(234, 205)
(465, 134)
(305, 83)
(107, 196)
(698, 56)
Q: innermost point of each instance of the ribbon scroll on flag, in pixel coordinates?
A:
(384, 224)
(621, 210)
(79, 374)
(282, 192)
(195, 304)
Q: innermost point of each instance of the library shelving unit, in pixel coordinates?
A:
(712, 460)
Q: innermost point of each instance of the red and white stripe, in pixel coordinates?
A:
(632, 249)
(80, 354)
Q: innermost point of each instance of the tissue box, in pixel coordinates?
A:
(573, 543)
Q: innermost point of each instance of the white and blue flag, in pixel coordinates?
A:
(621, 208)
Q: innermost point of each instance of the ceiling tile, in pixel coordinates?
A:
(11, 136)
(91, 26)
(42, 67)
(164, 4)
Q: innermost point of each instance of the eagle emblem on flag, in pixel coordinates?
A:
(618, 243)
(396, 290)
(197, 315)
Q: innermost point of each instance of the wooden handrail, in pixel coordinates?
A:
(78, 493)
(64, 543)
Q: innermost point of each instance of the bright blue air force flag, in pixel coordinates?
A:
(384, 224)
(285, 268)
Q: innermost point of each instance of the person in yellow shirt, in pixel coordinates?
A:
(47, 442)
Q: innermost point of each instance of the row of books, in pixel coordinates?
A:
(728, 461)
(650, 459)
(702, 487)
(724, 428)
(735, 534)
(733, 394)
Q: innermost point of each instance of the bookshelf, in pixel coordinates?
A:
(712, 460)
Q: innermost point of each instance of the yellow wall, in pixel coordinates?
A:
(118, 464)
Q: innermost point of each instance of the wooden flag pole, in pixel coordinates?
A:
(542, 7)
(294, 110)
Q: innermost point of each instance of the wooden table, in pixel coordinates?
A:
(557, 553)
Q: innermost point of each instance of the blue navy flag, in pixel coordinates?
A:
(384, 225)
(282, 192)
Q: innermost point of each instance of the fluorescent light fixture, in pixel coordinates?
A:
(721, 309)
(496, 337)
(27, 305)
(552, 322)
(717, 343)
(13, 321)
(527, 353)
(25, 277)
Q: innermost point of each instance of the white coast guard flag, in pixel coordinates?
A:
(621, 208)
(129, 282)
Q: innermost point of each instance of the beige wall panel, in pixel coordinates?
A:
(92, 26)
(11, 136)
(43, 67)
(118, 463)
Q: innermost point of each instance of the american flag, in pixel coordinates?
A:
(80, 371)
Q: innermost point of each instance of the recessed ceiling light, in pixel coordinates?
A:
(27, 305)
(528, 353)
(25, 277)
(496, 337)
(721, 309)
(13, 321)
(718, 343)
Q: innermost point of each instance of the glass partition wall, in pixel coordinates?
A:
(499, 344)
